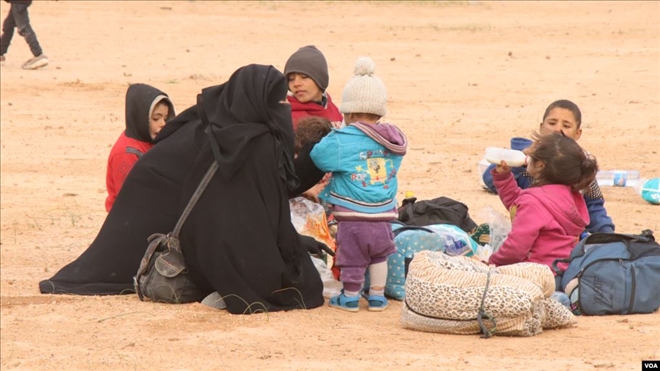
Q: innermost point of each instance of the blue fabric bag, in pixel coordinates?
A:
(411, 239)
(615, 273)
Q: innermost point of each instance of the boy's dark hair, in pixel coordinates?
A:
(311, 129)
(568, 105)
(565, 161)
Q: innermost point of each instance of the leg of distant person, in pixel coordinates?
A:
(7, 33)
(22, 19)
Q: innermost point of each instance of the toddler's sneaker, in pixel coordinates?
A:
(36, 62)
(347, 303)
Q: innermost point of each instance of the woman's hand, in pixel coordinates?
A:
(315, 247)
(502, 168)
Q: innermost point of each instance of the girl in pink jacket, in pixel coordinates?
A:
(548, 217)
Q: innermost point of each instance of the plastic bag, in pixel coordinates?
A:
(454, 240)
(483, 252)
(499, 226)
(331, 287)
(482, 166)
(309, 219)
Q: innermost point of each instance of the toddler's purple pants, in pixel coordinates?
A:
(360, 244)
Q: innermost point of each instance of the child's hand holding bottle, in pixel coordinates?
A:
(502, 168)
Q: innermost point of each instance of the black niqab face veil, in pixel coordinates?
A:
(245, 107)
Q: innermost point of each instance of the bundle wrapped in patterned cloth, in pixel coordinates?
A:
(460, 295)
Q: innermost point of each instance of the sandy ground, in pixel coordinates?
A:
(461, 76)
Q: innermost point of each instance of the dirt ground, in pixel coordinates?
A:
(461, 76)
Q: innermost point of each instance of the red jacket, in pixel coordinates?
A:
(136, 139)
(300, 110)
(122, 158)
(546, 222)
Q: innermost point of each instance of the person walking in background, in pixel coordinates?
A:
(18, 18)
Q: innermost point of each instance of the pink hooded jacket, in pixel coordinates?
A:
(546, 222)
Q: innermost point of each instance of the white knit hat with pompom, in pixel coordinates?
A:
(364, 93)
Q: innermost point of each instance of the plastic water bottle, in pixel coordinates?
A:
(618, 178)
(512, 157)
(482, 166)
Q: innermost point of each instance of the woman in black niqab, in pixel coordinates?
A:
(239, 239)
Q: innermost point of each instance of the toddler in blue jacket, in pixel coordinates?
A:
(364, 159)
(561, 116)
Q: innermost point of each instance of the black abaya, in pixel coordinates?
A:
(239, 239)
(148, 202)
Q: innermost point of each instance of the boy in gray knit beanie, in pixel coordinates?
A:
(306, 72)
(364, 158)
(310, 61)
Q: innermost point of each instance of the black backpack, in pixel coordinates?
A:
(441, 210)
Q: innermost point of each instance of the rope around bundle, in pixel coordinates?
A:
(486, 333)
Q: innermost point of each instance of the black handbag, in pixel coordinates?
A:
(163, 276)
